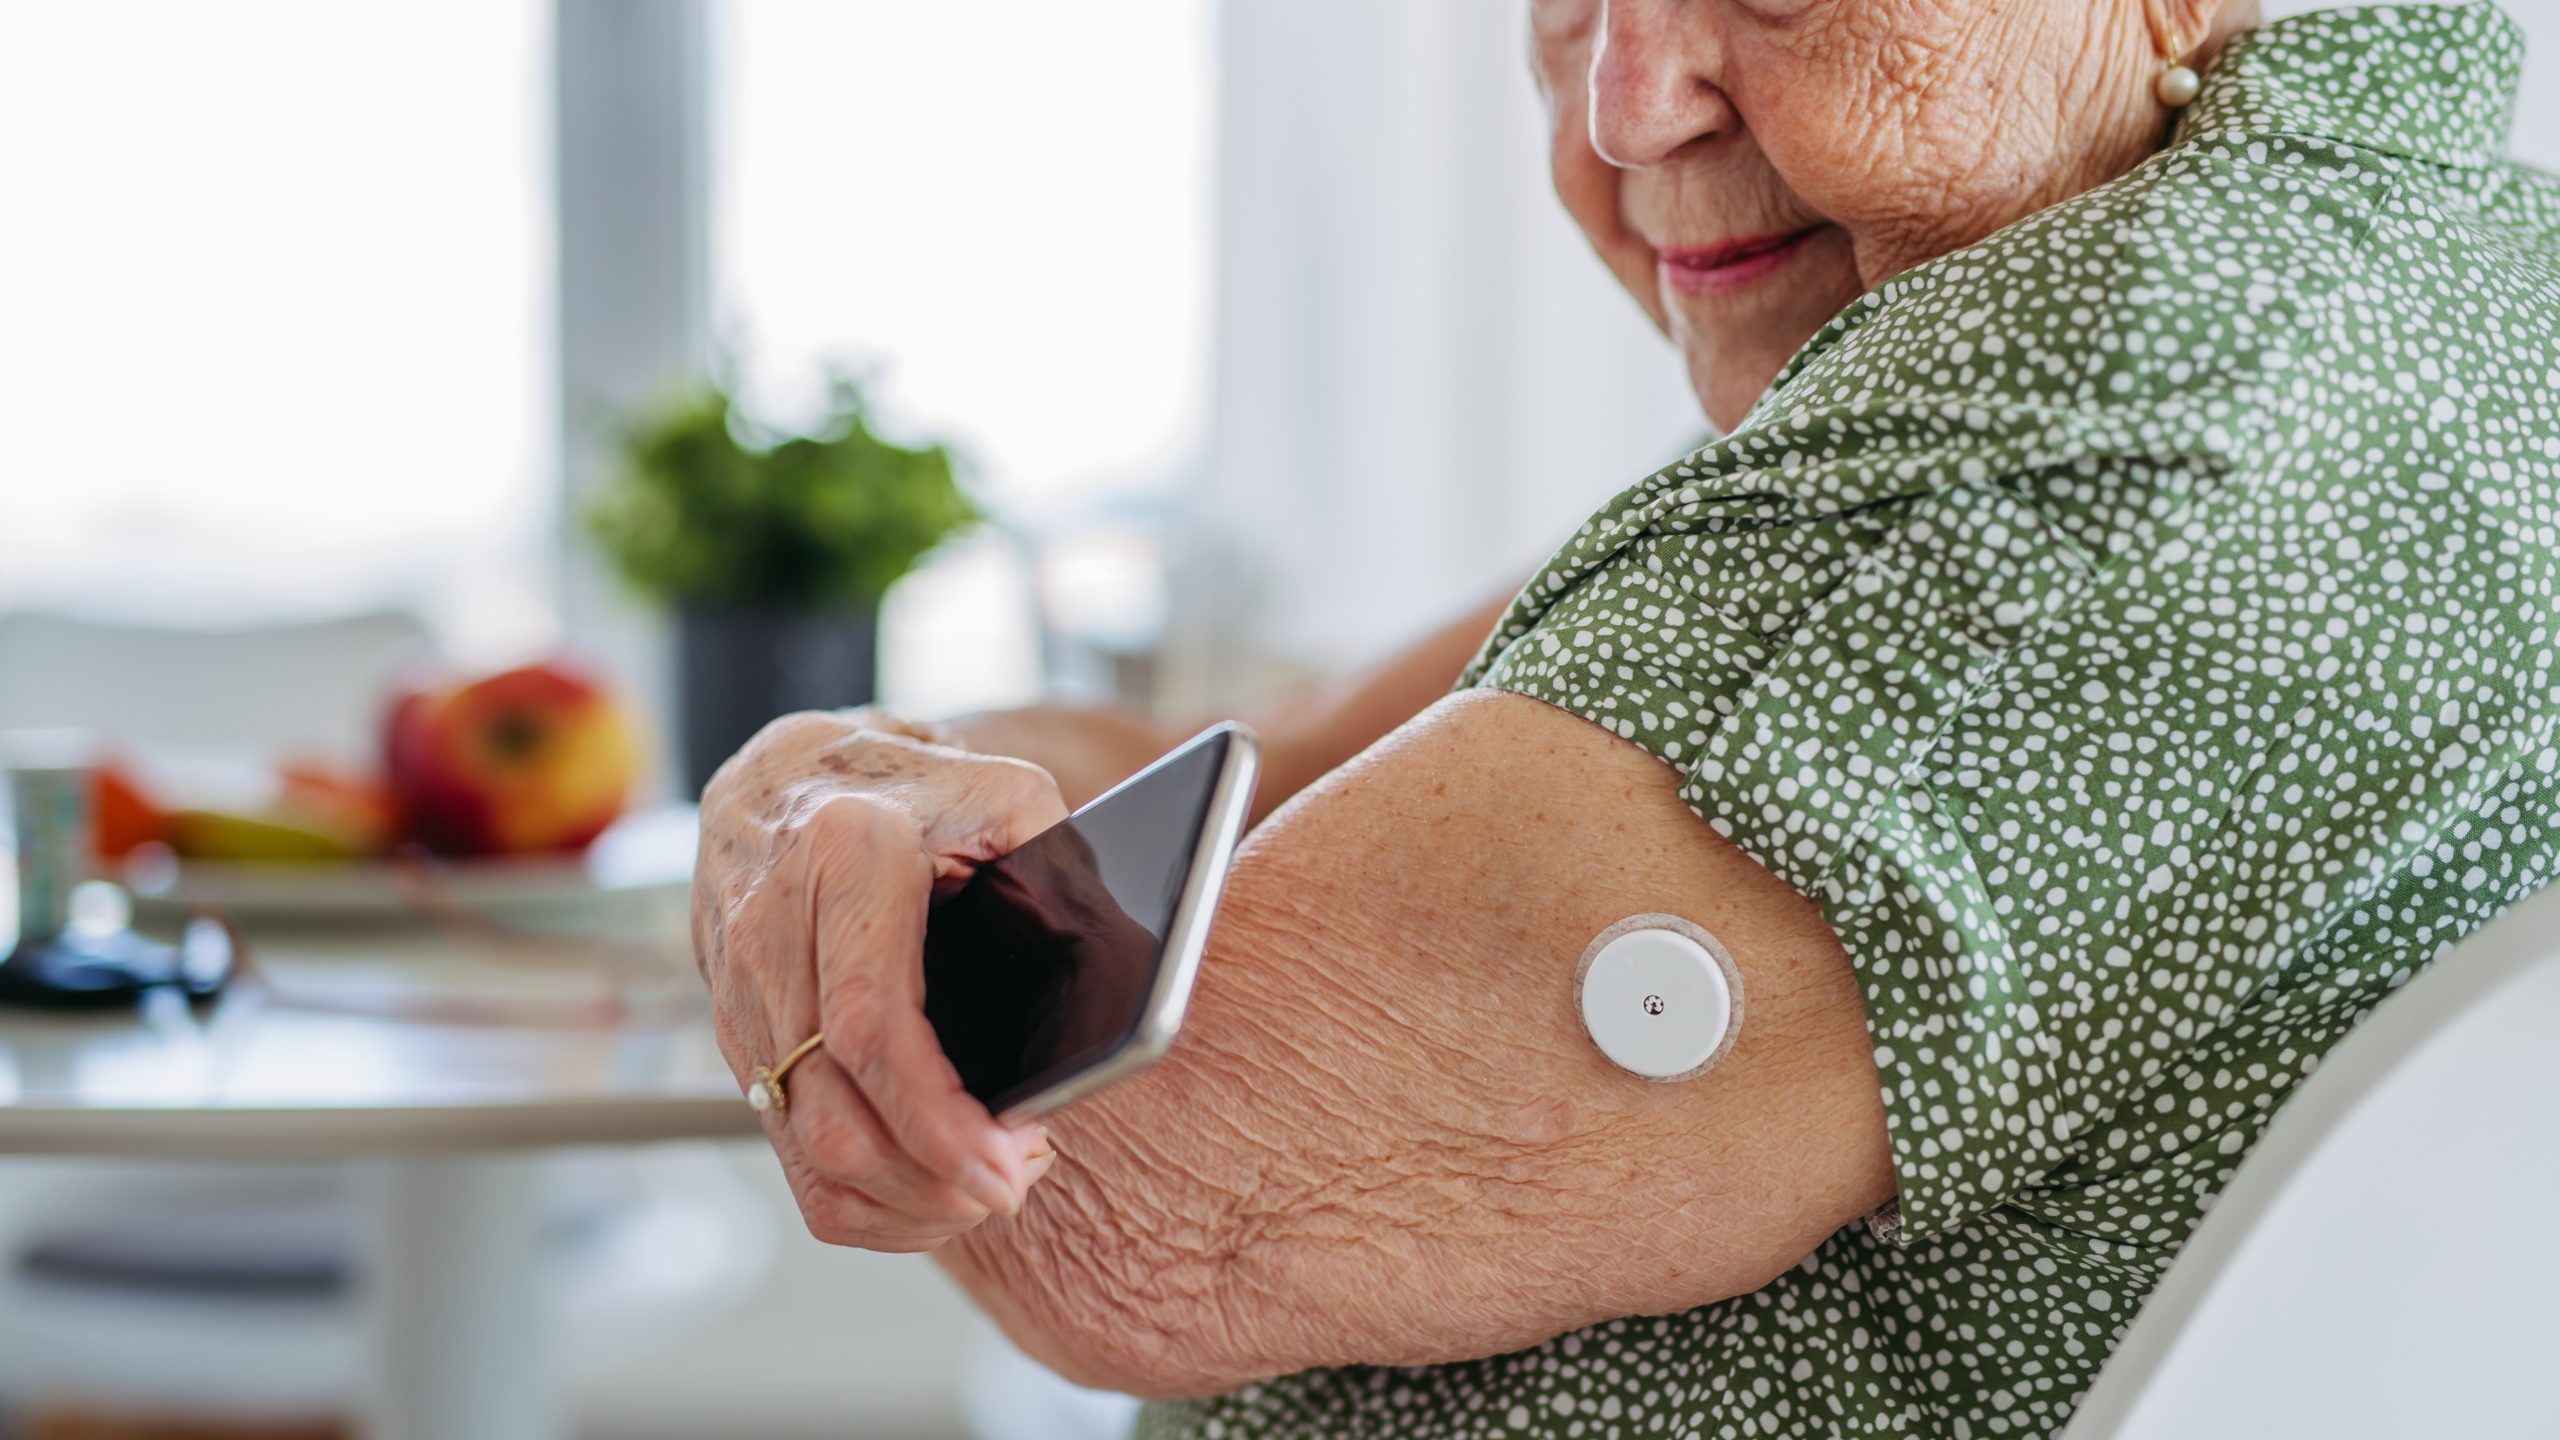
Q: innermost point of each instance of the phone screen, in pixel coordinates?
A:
(1041, 965)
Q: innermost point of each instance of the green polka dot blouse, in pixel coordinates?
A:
(2136, 631)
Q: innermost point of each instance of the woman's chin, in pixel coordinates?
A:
(1735, 344)
(1731, 365)
(1727, 388)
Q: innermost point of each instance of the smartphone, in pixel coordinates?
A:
(1064, 964)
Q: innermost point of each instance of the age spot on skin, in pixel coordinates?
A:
(867, 762)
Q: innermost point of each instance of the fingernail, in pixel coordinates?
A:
(1039, 1166)
(988, 1188)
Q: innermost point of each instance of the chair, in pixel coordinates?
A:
(312, 686)
(2384, 1263)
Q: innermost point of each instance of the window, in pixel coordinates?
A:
(276, 304)
(999, 213)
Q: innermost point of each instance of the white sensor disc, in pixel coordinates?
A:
(1660, 996)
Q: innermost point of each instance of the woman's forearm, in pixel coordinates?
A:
(1089, 748)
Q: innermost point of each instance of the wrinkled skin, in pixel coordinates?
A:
(1381, 1073)
(1904, 128)
(823, 841)
(1383, 1137)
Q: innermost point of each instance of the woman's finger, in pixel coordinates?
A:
(741, 1025)
(991, 806)
(871, 882)
(764, 994)
(847, 1213)
(766, 988)
(840, 1136)
(840, 1214)
(738, 1029)
(766, 1007)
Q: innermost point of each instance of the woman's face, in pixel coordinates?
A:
(1748, 167)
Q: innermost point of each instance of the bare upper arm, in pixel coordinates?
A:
(1384, 1136)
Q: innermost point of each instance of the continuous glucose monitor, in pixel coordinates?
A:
(1660, 997)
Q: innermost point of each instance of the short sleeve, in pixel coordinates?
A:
(1936, 711)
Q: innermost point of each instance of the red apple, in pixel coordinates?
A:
(532, 759)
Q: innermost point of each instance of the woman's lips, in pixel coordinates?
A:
(1729, 264)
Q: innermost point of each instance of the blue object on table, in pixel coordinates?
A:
(53, 962)
(95, 970)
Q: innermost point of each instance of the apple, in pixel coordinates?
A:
(537, 758)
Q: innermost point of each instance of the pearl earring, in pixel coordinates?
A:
(2177, 84)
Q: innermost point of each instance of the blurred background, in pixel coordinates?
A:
(1185, 349)
(331, 308)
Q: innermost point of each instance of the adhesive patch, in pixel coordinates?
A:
(1660, 997)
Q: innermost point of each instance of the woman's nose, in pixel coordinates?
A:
(1653, 85)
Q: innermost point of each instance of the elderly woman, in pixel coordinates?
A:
(2110, 649)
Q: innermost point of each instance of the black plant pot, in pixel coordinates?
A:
(737, 669)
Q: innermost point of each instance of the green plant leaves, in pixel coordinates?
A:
(821, 520)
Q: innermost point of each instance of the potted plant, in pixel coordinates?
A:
(773, 551)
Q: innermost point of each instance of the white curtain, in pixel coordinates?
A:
(1424, 379)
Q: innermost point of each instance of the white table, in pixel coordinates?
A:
(444, 1118)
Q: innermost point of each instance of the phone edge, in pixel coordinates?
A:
(1187, 937)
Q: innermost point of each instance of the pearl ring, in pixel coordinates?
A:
(764, 1092)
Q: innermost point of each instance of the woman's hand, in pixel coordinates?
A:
(824, 841)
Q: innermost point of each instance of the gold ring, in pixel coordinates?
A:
(764, 1092)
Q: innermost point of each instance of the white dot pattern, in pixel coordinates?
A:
(2135, 631)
